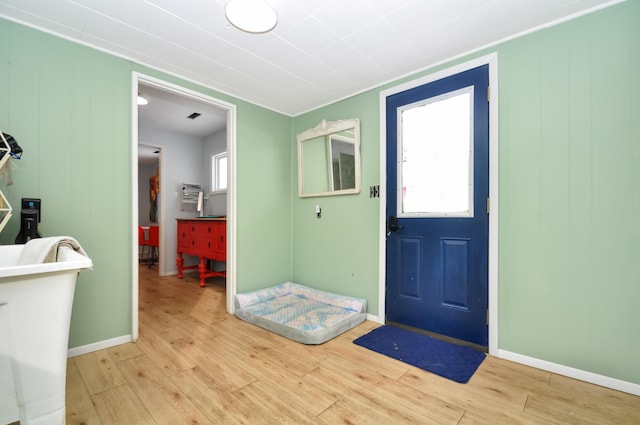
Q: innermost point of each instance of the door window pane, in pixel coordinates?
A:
(436, 156)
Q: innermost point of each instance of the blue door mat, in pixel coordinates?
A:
(455, 362)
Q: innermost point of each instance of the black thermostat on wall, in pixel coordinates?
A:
(31, 204)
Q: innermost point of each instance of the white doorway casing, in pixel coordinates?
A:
(138, 78)
(492, 61)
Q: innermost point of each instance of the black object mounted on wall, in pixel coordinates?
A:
(29, 219)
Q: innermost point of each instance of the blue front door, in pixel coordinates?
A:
(437, 206)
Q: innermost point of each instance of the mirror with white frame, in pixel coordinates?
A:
(329, 159)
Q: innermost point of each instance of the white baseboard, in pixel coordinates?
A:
(376, 319)
(100, 345)
(583, 375)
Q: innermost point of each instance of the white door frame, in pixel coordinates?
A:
(492, 61)
(230, 108)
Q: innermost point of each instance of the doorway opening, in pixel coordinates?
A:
(170, 177)
(149, 172)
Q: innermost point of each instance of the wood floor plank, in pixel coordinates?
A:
(215, 400)
(607, 396)
(502, 372)
(297, 393)
(121, 406)
(573, 409)
(99, 371)
(167, 314)
(262, 398)
(124, 352)
(495, 405)
(389, 402)
(249, 337)
(343, 413)
(219, 358)
(472, 417)
(159, 347)
(79, 408)
(211, 305)
(160, 396)
(297, 358)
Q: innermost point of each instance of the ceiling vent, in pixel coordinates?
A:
(194, 116)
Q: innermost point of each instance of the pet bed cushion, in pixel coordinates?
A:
(300, 313)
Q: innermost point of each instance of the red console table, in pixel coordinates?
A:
(205, 238)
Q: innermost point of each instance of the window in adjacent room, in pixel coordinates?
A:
(219, 172)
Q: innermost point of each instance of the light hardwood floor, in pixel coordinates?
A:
(195, 364)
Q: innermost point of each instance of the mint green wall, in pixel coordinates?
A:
(570, 193)
(264, 198)
(69, 108)
(569, 186)
(339, 251)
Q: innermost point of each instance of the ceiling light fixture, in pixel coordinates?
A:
(253, 16)
(141, 100)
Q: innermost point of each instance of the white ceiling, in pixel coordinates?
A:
(320, 51)
(169, 112)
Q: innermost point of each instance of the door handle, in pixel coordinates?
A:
(393, 224)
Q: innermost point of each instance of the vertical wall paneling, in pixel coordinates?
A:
(5, 51)
(54, 114)
(634, 93)
(64, 105)
(567, 276)
(612, 179)
(263, 198)
(520, 193)
(553, 171)
(580, 166)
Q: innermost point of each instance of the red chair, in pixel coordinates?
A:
(142, 243)
(154, 244)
